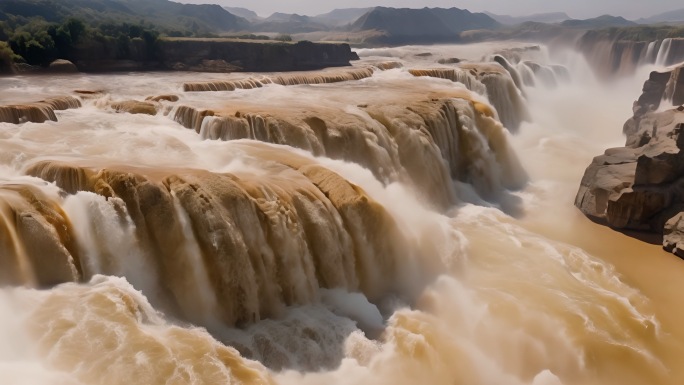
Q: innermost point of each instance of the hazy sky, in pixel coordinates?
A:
(631, 9)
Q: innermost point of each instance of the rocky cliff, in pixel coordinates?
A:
(641, 186)
(256, 56)
(216, 55)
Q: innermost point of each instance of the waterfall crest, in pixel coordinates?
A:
(37, 112)
(265, 242)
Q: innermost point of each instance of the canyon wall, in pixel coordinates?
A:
(213, 55)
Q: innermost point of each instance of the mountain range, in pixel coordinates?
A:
(667, 17)
(552, 17)
(602, 21)
(163, 13)
(388, 25)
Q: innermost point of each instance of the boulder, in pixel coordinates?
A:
(135, 107)
(159, 98)
(63, 66)
(634, 187)
(451, 60)
(673, 235)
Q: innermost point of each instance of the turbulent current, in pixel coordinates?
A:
(400, 221)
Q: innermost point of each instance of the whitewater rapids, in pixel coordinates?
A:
(369, 225)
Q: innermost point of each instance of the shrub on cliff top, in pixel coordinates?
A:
(7, 58)
(283, 37)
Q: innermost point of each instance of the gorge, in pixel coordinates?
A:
(407, 219)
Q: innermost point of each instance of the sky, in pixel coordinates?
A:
(579, 9)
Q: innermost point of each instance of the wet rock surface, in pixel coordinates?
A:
(37, 112)
(135, 107)
(63, 67)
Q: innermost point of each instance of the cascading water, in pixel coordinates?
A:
(357, 228)
(651, 53)
(615, 58)
(663, 53)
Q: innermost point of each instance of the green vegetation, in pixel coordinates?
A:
(283, 37)
(39, 42)
(7, 58)
(251, 36)
(169, 18)
(40, 31)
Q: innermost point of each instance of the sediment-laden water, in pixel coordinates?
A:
(365, 225)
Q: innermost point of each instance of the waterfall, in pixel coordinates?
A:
(38, 112)
(402, 221)
(651, 54)
(663, 56)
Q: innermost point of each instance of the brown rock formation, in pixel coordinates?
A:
(212, 55)
(503, 92)
(218, 66)
(36, 244)
(454, 136)
(641, 186)
(37, 112)
(159, 98)
(264, 241)
(301, 78)
(254, 56)
(135, 107)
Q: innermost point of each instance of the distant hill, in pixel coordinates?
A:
(243, 12)
(599, 22)
(671, 16)
(279, 16)
(288, 23)
(340, 17)
(459, 20)
(294, 23)
(163, 13)
(550, 18)
(406, 25)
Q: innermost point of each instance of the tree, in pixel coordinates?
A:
(7, 57)
(37, 48)
(76, 29)
(283, 37)
(4, 31)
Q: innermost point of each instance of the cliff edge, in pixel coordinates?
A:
(641, 186)
(218, 55)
